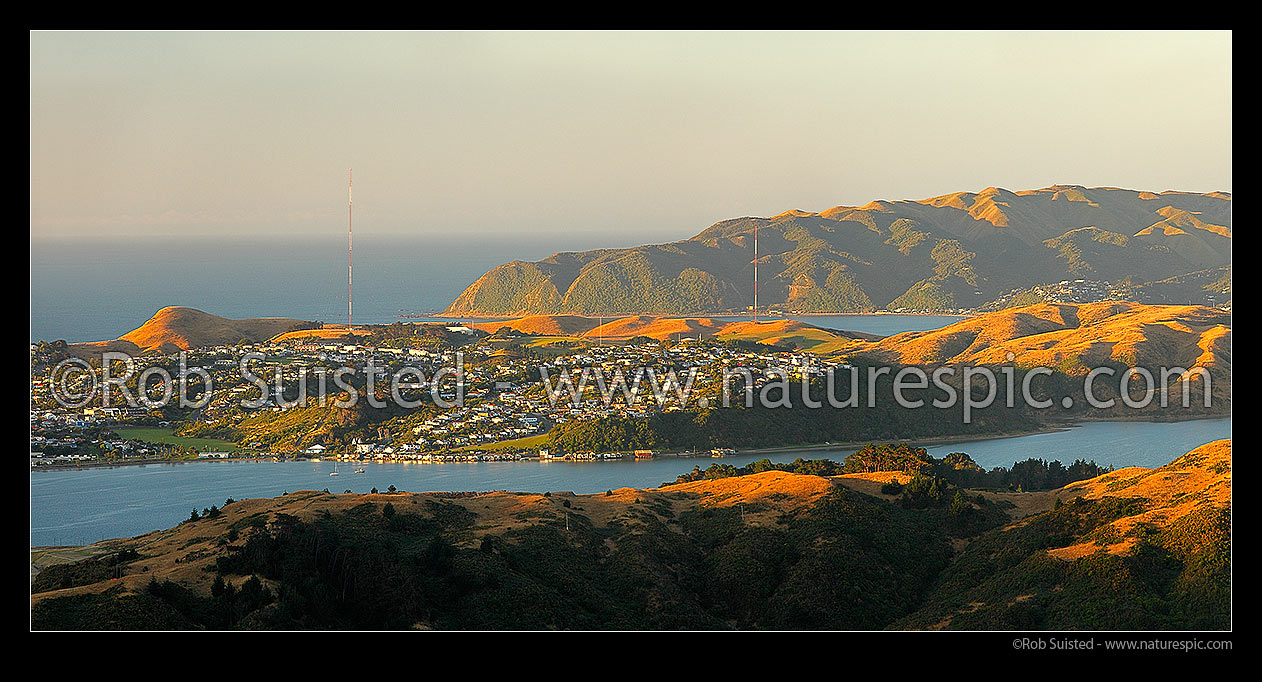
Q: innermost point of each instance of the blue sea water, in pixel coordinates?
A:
(95, 289)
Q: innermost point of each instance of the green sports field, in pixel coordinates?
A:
(164, 435)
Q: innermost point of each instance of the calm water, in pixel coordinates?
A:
(75, 507)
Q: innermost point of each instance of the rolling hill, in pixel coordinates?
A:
(544, 325)
(790, 333)
(327, 333)
(1109, 550)
(1071, 337)
(955, 251)
(177, 328)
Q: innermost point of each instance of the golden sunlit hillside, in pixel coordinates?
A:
(1198, 480)
(177, 328)
(656, 328)
(1105, 546)
(790, 333)
(1072, 338)
(794, 334)
(543, 325)
(325, 333)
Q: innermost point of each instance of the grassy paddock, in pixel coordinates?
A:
(527, 443)
(161, 435)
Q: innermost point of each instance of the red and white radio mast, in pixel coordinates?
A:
(350, 243)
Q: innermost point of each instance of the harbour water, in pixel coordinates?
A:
(86, 505)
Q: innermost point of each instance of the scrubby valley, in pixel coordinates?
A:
(904, 548)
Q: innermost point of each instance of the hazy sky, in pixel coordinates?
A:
(653, 134)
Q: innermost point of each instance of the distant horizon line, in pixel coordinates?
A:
(455, 235)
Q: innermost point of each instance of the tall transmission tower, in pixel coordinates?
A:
(755, 272)
(350, 246)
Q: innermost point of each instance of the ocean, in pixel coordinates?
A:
(95, 289)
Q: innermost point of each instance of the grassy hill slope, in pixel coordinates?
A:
(1133, 549)
(955, 251)
(177, 328)
(1073, 336)
(766, 550)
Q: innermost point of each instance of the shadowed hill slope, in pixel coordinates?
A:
(954, 251)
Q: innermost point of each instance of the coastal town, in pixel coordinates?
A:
(514, 389)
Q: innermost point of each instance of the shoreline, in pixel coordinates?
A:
(108, 465)
(926, 442)
(1155, 420)
(680, 460)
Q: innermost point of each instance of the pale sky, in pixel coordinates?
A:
(656, 133)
